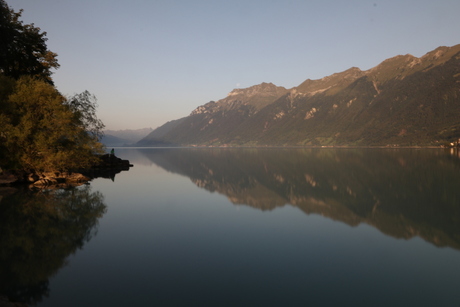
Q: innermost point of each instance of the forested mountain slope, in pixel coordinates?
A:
(403, 101)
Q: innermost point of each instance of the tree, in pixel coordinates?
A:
(84, 107)
(23, 49)
(42, 131)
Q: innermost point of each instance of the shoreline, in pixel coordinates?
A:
(108, 166)
(302, 146)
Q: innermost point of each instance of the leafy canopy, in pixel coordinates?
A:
(40, 129)
(23, 49)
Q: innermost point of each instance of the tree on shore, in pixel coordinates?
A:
(42, 132)
(40, 129)
(23, 49)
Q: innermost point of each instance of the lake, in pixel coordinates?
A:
(242, 227)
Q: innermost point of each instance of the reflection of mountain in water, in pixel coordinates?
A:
(402, 192)
(38, 231)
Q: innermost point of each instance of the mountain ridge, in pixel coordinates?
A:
(403, 101)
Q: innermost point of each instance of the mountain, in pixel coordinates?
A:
(403, 101)
(155, 137)
(124, 137)
(209, 122)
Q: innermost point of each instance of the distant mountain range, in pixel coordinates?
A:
(124, 137)
(404, 101)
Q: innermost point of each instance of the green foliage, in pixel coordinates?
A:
(40, 129)
(23, 49)
(84, 107)
(42, 132)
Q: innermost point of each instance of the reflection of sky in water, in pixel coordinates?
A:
(164, 240)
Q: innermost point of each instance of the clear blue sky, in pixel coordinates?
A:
(152, 61)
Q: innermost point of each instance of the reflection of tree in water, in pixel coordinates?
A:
(38, 231)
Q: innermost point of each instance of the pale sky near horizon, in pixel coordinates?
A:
(152, 61)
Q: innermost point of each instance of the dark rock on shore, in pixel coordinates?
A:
(107, 167)
(5, 302)
(7, 177)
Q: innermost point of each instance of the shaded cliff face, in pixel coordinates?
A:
(405, 100)
(403, 193)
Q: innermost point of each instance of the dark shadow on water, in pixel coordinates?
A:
(402, 192)
(39, 230)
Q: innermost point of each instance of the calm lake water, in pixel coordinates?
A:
(242, 227)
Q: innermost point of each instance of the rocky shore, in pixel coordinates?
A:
(107, 167)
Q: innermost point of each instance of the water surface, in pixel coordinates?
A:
(243, 227)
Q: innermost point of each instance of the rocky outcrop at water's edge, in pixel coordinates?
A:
(107, 167)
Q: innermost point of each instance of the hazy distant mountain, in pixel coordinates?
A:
(155, 137)
(113, 141)
(124, 137)
(405, 100)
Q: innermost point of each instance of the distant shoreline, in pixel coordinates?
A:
(296, 146)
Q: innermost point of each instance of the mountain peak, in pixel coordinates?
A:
(401, 66)
(256, 97)
(441, 54)
(337, 80)
(258, 89)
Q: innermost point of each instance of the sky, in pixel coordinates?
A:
(152, 61)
